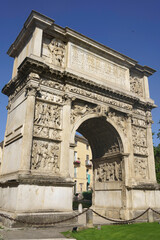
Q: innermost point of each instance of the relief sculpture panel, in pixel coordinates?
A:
(136, 85)
(83, 109)
(48, 115)
(109, 171)
(46, 132)
(139, 137)
(140, 167)
(119, 119)
(51, 97)
(54, 51)
(45, 156)
(98, 97)
(96, 66)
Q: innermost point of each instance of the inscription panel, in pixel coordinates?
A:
(91, 64)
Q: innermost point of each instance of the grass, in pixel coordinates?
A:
(138, 231)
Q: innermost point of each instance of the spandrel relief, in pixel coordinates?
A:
(119, 119)
(54, 51)
(82, 110)
(140, 168)
(109, 171)
(45, 156)
(47, 115)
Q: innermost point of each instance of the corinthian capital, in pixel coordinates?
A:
(32, 90)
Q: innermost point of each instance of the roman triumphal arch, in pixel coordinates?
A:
(63, 82)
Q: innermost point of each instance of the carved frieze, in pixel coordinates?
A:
(54, 51)
(46, 132)
(51, 97)
(136, 85)
(45, 156)
(52, 84)
(47, 115)
(98, 97)
(140, 150)
(140, 167)
(139, 122)
(139, 112)
(109, 171)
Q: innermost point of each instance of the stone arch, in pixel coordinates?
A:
(106, 122)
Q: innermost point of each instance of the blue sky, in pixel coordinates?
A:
(131, 27)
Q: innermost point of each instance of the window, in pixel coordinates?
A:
(87, 146)
(75, 187)
(75, 172)
(75, 156)
(81, 187)
(87, 159)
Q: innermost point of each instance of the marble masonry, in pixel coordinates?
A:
(63, 82)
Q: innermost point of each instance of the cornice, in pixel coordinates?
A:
(34, 19)
(48, 25)
(30, 65)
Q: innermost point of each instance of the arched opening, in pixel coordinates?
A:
(102, 137)
(107, 155)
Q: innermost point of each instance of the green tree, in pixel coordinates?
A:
(157, 161)
(157, 157)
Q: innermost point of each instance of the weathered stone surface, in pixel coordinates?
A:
(63, 82)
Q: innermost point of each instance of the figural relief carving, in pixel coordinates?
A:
(119, 119)
(139, 122)
(48, 115)
(109, 171)
(136, 85)
(99, 97)
(83, 109)
(52, 84)
(113, 149)
(54, 51)
(139, 136)
(45, 156)
(140, 167)
(51, 97)
(46, 132)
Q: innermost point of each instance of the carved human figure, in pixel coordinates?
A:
(57, 49)
(109, 171)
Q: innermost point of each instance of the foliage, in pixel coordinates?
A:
(139, 231)
(87, 195)
(157, 161)
(157, 157)
(85, 204)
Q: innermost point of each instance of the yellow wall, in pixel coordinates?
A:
(81, 173)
